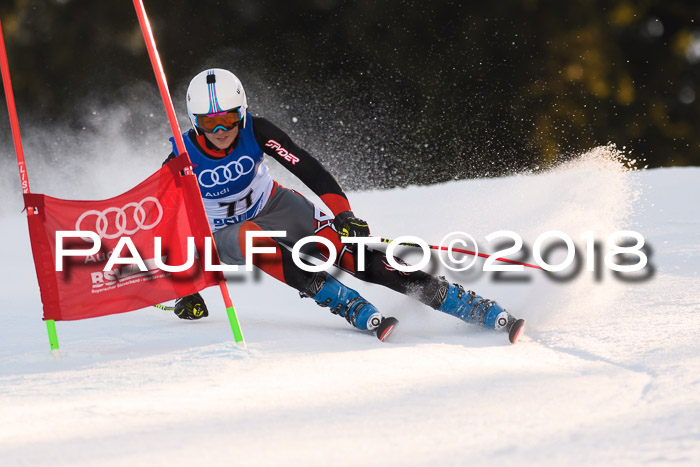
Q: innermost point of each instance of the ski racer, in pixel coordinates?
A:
(227, 146)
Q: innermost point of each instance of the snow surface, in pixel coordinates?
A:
(607, 373)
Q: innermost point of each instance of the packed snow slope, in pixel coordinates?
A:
(607, 373)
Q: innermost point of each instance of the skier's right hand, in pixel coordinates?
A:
(348, 225)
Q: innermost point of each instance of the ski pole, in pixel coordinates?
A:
(466, 252)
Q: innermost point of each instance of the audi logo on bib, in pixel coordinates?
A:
(230, 172)
(127, 220)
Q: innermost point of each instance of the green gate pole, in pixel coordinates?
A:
(235, 326)
(53, 337)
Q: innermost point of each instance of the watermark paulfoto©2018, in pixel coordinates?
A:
(457, 242)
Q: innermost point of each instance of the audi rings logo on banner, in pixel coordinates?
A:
(221, 175)
(125, 224)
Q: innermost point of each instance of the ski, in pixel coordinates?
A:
(386, 328)
(515, 330)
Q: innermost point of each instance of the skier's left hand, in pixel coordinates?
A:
(348, 225)
(191, 307)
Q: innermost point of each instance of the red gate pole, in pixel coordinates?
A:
(24, 179)
(180, 144)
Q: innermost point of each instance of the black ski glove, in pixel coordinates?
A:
(191, 307)
(348, 225)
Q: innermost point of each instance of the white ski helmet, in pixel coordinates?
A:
(213, 91)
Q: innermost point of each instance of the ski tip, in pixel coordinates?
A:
(515, 330)
(386, 328)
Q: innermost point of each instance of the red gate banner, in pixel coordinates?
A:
(167, 204)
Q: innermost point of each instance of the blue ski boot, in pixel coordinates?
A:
(471, 308)
(327, 291)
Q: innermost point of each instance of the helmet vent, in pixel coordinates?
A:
(211, 79)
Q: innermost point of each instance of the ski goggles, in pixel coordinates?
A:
(211, 123)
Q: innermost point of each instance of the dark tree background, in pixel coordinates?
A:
(388, 92)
